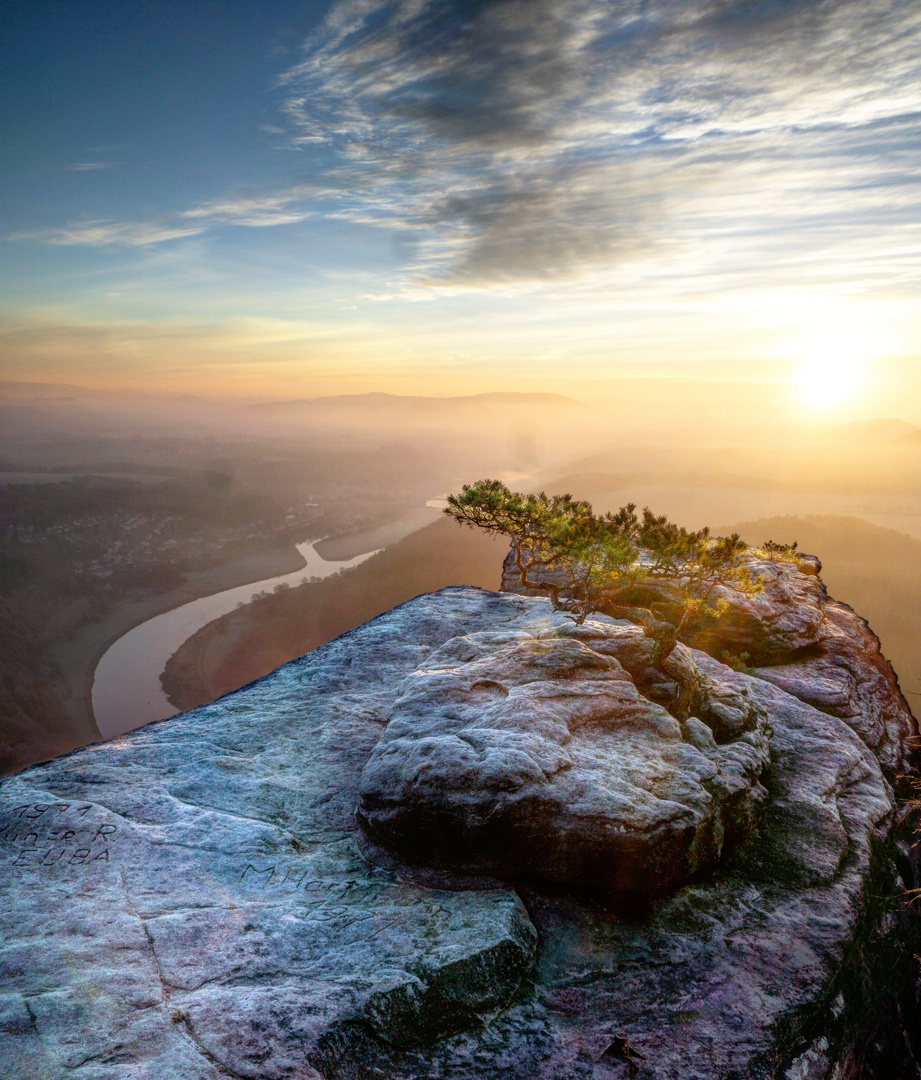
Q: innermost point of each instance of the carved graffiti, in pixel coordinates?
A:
(56, 834)
(273, 877)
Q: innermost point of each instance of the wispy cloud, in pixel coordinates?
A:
(92, 166)
(277, 208)
(104, 233)
(532, 139)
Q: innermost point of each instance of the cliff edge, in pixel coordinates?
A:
(471, 840)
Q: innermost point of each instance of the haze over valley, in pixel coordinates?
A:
(118, 506)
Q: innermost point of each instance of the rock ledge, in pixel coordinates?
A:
(195, 900)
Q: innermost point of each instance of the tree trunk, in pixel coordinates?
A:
(658, 630)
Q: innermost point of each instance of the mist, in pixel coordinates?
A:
(119, 504)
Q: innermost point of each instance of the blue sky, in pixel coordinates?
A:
(456, 196)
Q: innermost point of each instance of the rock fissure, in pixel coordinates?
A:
(176, 1016)
(185, 1026)
(165, 987)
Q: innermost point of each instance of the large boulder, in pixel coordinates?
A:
(196, 901)
(781, 621)
(532, 753)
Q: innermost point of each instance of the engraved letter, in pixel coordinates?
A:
(103, 831)
(79, 857)
(270, 870)
(292, 875)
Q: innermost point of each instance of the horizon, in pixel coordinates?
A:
(788, 410)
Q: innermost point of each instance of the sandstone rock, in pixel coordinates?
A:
(735, 978)
(818, 649)
(786, 616)
(850, 678)
(193, 901)
(533, 754)
(189, 900)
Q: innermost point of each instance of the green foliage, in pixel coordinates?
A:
(770, 549)
(592, 563)
(738, 663)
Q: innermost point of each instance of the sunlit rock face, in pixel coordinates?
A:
(793, 635)
(198, 900)
(783, 620)
(786, 617)
(534, 754)
(846, 675)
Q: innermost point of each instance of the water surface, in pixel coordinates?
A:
(126, 685)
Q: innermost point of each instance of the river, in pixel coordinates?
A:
(126, 685)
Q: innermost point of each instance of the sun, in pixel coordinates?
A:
(834, 353)
(835, 348)
(830, 371)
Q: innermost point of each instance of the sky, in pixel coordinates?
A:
(457, 196)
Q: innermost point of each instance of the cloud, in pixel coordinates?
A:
(91, 166)
(533, 139)
(518, 143)
(278, 208)
(105, 233)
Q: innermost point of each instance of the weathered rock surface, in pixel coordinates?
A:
(195, 900)
(189, 900)
(785, 617)
(534, 754)
(849, 677)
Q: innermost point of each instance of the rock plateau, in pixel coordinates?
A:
(471, 840)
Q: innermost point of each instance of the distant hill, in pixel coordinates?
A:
(385, 405)
(910, 438)
(479, 434)
(581, 484)
(13, 389)
(849, 463)
(49, 393)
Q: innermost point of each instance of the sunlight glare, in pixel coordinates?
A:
(831, 372)
(834, 356)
